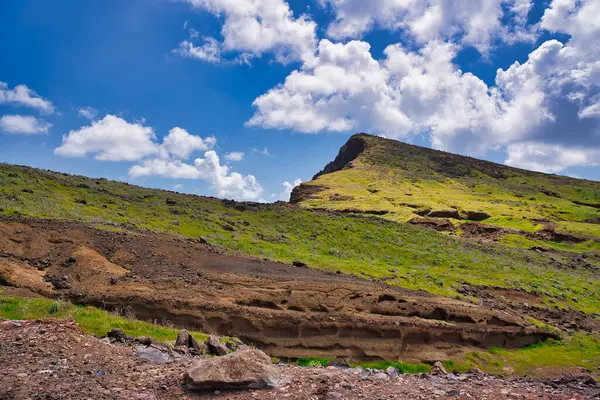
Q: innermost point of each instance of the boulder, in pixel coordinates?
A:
(391, 371)
(438, 369)
(183, 338)
(215, 346)
(245, 369)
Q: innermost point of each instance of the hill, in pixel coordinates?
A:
(393, 290)
(407, 183)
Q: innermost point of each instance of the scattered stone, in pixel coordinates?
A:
(58, 282)
(438, 369)
(153, 355)
(356, 370)
(391, 371)
(364, 375)
(80, 201)
(453, 393)
(299, 264)
(202, 240)
(244, 369)
(118, 336)
(215, 346)
(380, 376)
(475, 371)
(70, 261)
(27, 190)
(145, 340)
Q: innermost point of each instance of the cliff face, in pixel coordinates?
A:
(353, 147)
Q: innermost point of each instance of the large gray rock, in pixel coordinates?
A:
(244, 369)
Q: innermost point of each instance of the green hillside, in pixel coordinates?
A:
(401, 182)
(373, 248)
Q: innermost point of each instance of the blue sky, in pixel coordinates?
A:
(169, 93)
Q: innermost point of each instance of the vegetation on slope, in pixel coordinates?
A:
(376, 174)
(90, 319)
(373, 248)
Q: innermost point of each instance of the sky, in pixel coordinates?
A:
(244, 99)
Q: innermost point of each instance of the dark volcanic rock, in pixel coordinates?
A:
(476, 215)
(444, 214)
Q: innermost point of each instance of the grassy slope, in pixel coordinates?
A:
(396, 177)
(370, 247)
(90, 319)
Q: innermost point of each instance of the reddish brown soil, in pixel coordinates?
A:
(285, 310)
(52, 359)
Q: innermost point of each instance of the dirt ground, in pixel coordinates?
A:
(52, 359)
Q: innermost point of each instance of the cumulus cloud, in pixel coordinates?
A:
(288, 187)
(180, 143)
(109, 139)
(23, 96)
(254, 27)
(477, 22)
(552, 98)
(226, 183)
(87, 112)
(23, 124)
(235, 156)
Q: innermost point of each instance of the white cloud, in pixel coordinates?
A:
(177, 186)
(226, 183)
(22, 95)
(254, 27)
(87, 112)
(181, 144)
(234, 156)
(288, 187)
(551, 98)
(209, 51)
(114, 139)
(474, 22)
(23, 124)
(110, 139)
(550, 158)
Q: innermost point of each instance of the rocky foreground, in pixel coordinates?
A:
(53, 359)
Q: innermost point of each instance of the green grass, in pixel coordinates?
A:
(368, 247)
(578, 350)
(402, 367)
(91, 320)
